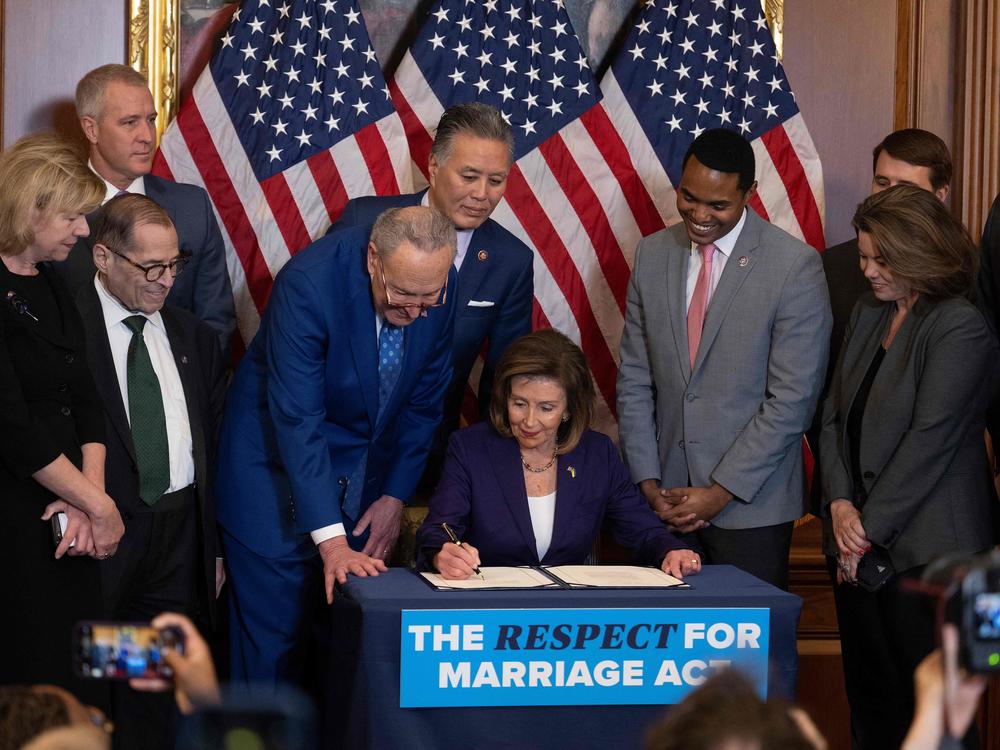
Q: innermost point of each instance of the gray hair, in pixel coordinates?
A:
(92, 87)
(475, 119)
(425, 228)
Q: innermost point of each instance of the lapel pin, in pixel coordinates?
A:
(483, 255)
(184, 359)
(572, 471)
(742, 261)
(19, 305)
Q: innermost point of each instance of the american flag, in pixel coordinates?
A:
(290, 119)
(572, 194)
(691, 65)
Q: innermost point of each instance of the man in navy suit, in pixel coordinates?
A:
(469, 162)
(327, 426)
(118, 118)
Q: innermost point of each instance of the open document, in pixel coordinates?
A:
(613, 577)
(559, 577)
(495, 578)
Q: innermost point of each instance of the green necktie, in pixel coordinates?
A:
(149, 424)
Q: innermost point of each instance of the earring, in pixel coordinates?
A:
(565, 416)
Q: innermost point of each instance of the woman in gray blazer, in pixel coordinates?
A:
(906, 477)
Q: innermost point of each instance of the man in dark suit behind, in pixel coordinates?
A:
(118, 118)
(905, 157)
(467, 171)
(161, 377)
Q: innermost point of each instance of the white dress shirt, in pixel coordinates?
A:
(724, 249)
(543, 515)
(464, 236)
(138, 186)
(179, 444)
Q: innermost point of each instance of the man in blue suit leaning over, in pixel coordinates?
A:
(467, 170)
(327, 426)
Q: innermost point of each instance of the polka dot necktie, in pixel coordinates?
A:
(390, 364)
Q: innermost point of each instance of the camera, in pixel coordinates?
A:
(978, 599)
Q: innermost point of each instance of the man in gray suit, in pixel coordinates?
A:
(726, 336)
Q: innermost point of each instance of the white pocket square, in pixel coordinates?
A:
(481, 303)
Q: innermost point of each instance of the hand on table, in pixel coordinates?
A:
(681, 562)
(339, 560)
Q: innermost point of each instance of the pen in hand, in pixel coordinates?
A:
(454, 540)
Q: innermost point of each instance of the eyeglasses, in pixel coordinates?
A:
(155, 272)
(399, 304)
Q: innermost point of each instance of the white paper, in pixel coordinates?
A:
(496, 578)
(614, 576)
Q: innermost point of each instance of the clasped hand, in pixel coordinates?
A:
(96, 536)
(685, 509)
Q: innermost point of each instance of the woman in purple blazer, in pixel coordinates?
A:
(532, 486)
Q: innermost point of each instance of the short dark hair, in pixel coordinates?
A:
(473, 118)
(920, 148)
(547, 354)
(920, 241)
(727, 708)
(116, 222)
(725, 151)
(26, 713)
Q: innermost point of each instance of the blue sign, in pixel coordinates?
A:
(567, 657)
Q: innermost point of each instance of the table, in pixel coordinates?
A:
(362, 694)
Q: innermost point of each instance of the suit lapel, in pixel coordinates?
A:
(103, 365)
(506, 466)
(738, 266)
(677, 258)
(182, 348)
(362, 340)
(569, 483)
(476, 265)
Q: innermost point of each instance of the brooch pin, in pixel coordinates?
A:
(20, 305)
(483, 255)
(572, 471)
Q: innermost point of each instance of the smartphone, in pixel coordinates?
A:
(123, 650)
(59, 522)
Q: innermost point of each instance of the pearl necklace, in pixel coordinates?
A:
(540, 469)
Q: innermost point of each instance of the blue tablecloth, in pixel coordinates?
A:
(363, 671)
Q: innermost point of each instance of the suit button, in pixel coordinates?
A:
(69, 359)
(65, 411)
(690, 397)
(680, 444)
(869, 475)
(62, 387)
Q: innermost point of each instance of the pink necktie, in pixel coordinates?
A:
(699, 301)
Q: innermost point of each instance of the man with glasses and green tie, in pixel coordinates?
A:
(162, 380)
(328, 424)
